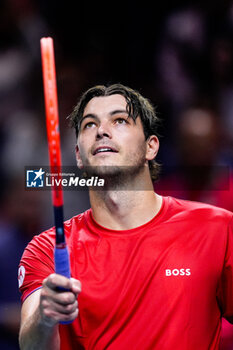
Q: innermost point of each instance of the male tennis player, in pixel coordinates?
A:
(149, 272)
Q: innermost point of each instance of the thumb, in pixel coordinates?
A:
(76, 286)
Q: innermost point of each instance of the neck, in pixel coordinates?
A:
(122, 209)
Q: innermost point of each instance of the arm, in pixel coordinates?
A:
(33, 333)
(44, 309)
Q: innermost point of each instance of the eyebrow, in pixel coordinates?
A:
(94, 116)
(118, 111)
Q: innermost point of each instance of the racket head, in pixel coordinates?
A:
(52, 117)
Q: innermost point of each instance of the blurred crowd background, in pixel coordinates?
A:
(179, 54)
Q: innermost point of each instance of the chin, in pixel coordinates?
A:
(103, 170)
(116, 172)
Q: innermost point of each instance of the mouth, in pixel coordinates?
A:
(104, 149)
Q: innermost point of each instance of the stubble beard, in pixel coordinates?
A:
(119, 177)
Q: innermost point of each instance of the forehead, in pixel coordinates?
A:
(105, 104)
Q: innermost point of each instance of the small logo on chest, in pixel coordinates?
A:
(177, 272)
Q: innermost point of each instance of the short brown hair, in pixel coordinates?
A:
(137, 105)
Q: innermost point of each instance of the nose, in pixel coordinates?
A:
(103, 131)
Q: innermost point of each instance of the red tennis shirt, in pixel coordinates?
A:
(163, 285)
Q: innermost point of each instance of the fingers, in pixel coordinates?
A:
(67, 309)
(59, 308)
(54, 281)
(76, 285)
(58, 301)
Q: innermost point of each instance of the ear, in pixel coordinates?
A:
(152, 147)
(78, 158)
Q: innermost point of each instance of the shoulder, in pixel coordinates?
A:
(47, 237)
(198, 210)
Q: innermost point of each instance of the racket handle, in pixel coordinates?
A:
(62, 267)
(62, 261)
(61, 254)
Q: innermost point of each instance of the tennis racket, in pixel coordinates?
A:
(61, 254)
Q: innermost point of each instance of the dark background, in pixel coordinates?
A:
(178, 54)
